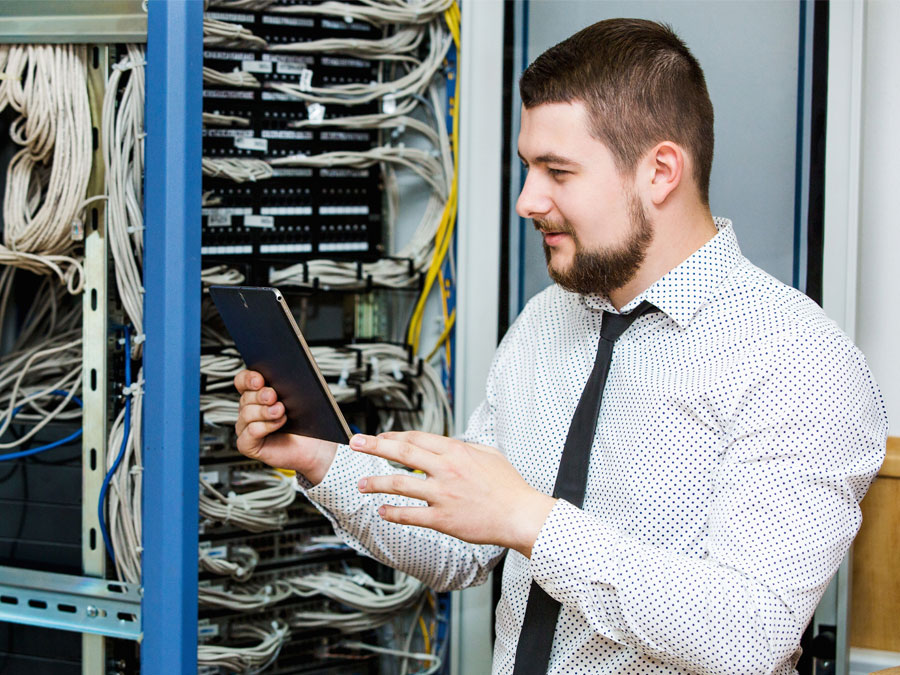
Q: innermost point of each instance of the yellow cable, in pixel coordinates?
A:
(444, 335)
(440, 251)
(425, 635)
(448, 218)
(445, 288)
(445, 295)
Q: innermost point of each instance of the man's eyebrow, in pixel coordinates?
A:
(550, 158)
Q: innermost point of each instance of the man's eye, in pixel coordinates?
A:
(556, 173)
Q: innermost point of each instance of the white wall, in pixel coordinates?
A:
(878, 285)
(749, 51)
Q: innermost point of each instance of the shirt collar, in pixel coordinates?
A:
(681, 292)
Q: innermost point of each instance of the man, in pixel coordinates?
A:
(738, 428)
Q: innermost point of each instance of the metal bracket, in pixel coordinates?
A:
(68, 602)
(67, 21)
(95, 359)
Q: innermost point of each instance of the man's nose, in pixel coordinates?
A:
(533, 201)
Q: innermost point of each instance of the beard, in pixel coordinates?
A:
(604, 270)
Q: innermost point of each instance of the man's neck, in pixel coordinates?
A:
(676, 237)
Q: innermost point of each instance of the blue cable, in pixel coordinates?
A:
(102, 501)
(49, 446)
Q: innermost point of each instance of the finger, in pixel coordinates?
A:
(431, 442)
(253, 434)
(252, 413)
(398, 484)
(248, 380)
(264, 396)
(397, 451)
(418, 516)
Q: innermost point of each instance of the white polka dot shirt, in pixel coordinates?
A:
(739, 429)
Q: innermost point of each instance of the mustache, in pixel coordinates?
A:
(545, 226)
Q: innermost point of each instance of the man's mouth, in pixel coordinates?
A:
(552, 238)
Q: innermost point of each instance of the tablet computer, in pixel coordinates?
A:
(266, 335)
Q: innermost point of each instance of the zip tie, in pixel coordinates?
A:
(140, 338)
(131, 388)
(397, 374)
(376, 371)
(342, 381)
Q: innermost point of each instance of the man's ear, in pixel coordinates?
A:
(665, 165)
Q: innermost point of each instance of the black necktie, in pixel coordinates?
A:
(542, 611)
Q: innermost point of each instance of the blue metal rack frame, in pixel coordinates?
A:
(172, 326)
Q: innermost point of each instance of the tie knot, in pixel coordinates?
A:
(615, 324)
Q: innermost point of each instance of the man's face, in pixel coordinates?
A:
(595, 229)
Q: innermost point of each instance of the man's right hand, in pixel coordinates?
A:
(260, 417)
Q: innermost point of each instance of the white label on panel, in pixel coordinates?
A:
(227, 133)
(256, 66)
(287, 21)
(287, 68)
(338, 246)
(286, 210)
(348, 210)
(227, 210)
(257, 144)
(287, 134)
(218, 220)
(259, 221)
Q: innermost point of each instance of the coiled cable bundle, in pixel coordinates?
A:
(47, 179)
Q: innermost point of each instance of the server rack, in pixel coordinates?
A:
(166, 605)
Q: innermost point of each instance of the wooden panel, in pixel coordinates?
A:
(891, 465)
(875, 602)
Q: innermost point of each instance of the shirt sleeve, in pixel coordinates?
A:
(439, 560)
(784, 514)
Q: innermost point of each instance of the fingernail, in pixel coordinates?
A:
(358, 441)
(381, 511)
(362, 484)
(256, 382)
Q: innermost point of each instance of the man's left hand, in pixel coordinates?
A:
(472, 491)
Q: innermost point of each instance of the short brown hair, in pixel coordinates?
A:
(641, 86)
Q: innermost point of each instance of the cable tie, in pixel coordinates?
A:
(132, 388)
(140, 338)
(228, 510)
(315, 112)
(376, 371)
(345, 373)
